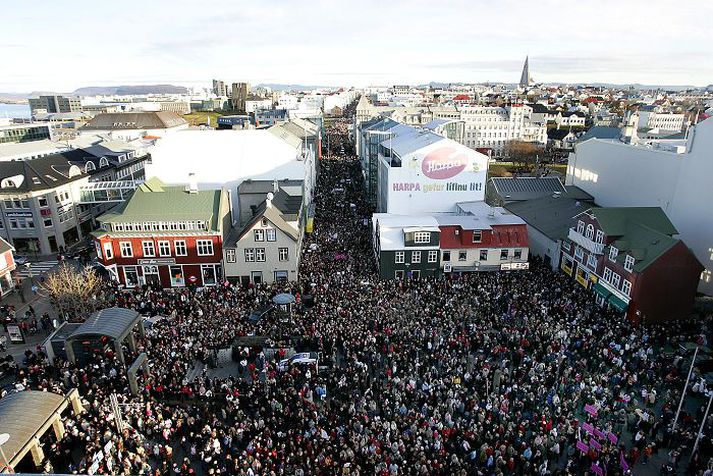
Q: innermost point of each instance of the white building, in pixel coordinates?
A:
(423, 172)
(226, 158)
(134, 125)
(253, 105)
(678, 181)
(661, 121)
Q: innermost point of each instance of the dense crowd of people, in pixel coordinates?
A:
(489, 373)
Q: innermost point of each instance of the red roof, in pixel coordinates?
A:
(462, 97)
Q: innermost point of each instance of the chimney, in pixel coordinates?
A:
(275, 186)
(268, 200)
(192, 186)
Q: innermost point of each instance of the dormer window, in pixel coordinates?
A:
(613, 253)
(477, 236)
(590, 231)
(422, 237)
(629, 263)
(580, 227)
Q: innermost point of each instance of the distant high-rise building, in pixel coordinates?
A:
(220, 89)
(240, 95)
(525, 78)
(55, 104)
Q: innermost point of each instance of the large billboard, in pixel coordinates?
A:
(435, 178)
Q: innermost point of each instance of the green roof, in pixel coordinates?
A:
(645, 244)
(613, 220)
(156, 201)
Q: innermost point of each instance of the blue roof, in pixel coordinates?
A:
(600, 132)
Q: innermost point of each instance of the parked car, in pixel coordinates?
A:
(20, 260)
(300, 358)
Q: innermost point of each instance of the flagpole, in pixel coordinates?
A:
(685, 387)
(700, 430)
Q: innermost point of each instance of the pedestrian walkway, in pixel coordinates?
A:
(35, 269)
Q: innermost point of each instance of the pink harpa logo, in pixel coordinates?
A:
(443, 163)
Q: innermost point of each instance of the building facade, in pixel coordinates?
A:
(54, 104)
(240, 95)
(20, 133)
(631, 260)
(406, 247)
(266, 249)
(165, 236)
(482, 238)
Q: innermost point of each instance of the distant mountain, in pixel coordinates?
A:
(290, 87)
(130, 90)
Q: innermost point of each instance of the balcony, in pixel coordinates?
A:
(586, 243)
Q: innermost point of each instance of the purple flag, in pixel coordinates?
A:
(613, 438)
(622, 461)
(582, 447)
(595, 444)
(597, 469)
(599, 434)
(591, 409)
(588, 428)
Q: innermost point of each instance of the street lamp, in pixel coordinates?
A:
(4, 437)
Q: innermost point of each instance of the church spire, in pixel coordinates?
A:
(525, 78)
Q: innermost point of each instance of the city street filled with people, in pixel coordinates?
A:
(485, 373)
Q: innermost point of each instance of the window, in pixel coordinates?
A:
(399, 274)
(566, 246)
(126, 251)
(579, 253)
(613, 252)
(399, 257)
(148, 248)
(180, 247)
(47, 221)
(590, 231)
(164, 248)
(205, 247)
(422, 237)
(462, 255)
(626, 287)
(446, 256)
(433, 256)
(260, 255)
(283, 254)
(503, 255)
(271, 234)
(580, 227)
(249, 255)
(600, 236)
(483, 255)
(177, 277)
(108, 251)
(131, 277)
(415, 257)
(42, 202)
(615, 280)
(259, 235)
(477, 236)
(416, 274)
(518, 254)
(629, 263)
(230, 256)
(209, 274)
(607, 275)
(592, 262)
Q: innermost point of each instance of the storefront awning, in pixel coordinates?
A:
(601, 290)
(618, 304)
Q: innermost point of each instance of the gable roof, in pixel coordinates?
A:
(42, 173)
(525, 188)
(155, 201)
(551, 215)
(600, 132)
(615, 220)
(134, 120)
(643, 243)
(263, 211)
(5, 246)
(558, 134)
(114, 322)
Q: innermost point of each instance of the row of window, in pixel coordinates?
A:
(504, 254)
(199, 225)
(614, 279)
(400, 257)
(253, 255)
(148, 248)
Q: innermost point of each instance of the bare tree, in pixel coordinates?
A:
(524, 153)
(72, 291)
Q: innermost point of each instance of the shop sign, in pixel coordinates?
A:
(514, 266)
(157, 261)
(18, 214)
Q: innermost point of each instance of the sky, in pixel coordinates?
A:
(60, 46)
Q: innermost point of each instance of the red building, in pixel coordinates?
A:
(631, 260)
(482, 238)
(167, 236)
